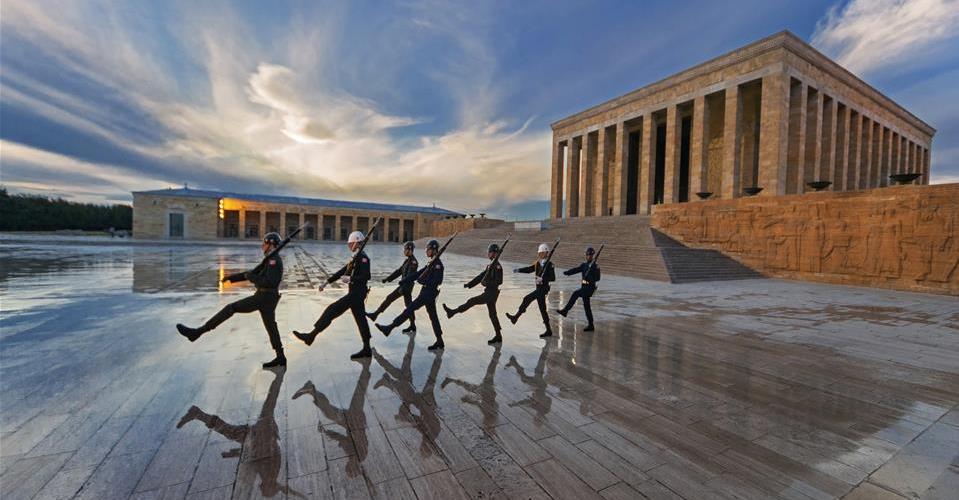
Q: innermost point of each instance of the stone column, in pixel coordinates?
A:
(671, 172)
(620, 177)
(926, 162)
(813, 141)
(903, 154)
(773, 138)
(646, 164)
(262, 222)
(242, 230)
(586, 172)
(601, 194)
(828, 166)
(731, 143)
(572, 177)
(282, 228)
(556, 182)
(842, 153)
(697, 148)
(865, 166)
(336, 227)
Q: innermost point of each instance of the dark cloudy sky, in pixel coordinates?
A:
(417, 101)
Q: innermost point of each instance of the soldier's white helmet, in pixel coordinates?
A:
(543, 247)
(356, 237)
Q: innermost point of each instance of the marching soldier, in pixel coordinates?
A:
(430, 277)
(590, 275)
(491, 278)
(355, 274)
(544, 272)
(267, 280)
(405, 288)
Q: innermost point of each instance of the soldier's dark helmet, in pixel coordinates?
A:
(409, 245)
(492, 248)
(590, 251)
(272, 238)
(435, 245)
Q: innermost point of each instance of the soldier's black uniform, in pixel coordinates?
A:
(491, 278)
(589, 276)
(405, 290)
(430, 277)
(358, 269)
(267, 280)
(546, 275)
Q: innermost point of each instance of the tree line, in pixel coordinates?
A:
(26, 212)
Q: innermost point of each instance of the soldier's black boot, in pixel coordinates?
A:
(365, 352)
(279, 360)
(512, 317)
(306, 338)
(437, 345)
(589, 328)
(562, 312)
(373, 315)
(495, 340)
(384, 329)
(190, 333)
(410, 329)
(547, 333)
(449, 312)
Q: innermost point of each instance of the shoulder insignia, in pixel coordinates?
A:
(365, 260)
(272, 262)
(439, 266)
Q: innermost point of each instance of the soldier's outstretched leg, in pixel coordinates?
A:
(472, 301)
(589, 314)
(333, 311)
(569, 304)
(407, 300)
(390, 298)
(435, 321)
(541, 302)
(244, 305)
(406, 314)
(527, 300)
(360, 316)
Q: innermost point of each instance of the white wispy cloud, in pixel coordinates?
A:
(270, 114)
(868, 35)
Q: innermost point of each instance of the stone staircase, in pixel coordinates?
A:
(633, 249)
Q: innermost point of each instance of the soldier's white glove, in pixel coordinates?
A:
(345, 279)
(321, 287)
(515, 269)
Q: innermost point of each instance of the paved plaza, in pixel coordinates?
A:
(740, 389)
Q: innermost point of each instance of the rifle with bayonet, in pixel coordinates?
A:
(592, 263)
(242, 276)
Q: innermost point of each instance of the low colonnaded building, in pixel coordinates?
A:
(185, 213)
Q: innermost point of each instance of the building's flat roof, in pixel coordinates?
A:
(319, 202)
(784, 39)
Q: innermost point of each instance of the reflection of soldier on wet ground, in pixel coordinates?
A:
(404, 289)
(352, 419)
(400, 381)
(266, 277)
(539, 400)
(263, 438)
(482, 395)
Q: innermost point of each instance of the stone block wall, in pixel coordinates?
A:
(901, 237)
(447, 227)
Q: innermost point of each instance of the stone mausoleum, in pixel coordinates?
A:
(185, 213)
(775, 114)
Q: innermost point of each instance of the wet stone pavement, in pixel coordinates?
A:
(749, 389)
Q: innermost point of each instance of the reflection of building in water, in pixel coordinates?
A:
(204, 215)
(157, 270)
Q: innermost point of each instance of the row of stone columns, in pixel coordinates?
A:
(843, 145)
(804, 135)
(337, 226)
